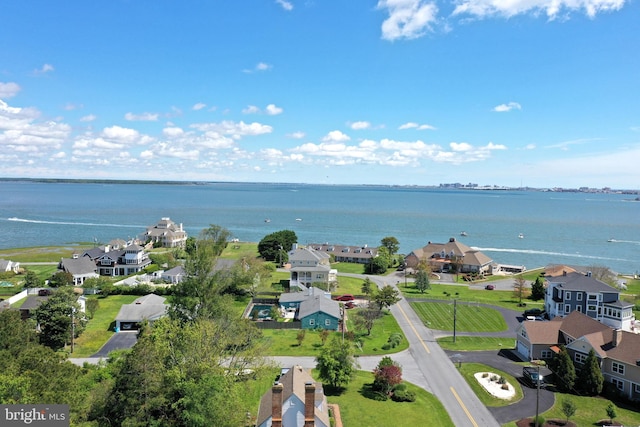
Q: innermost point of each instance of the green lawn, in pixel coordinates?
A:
(476, 343)
(282, 342)
(100, 328)
(348, 267)
(43, 253)
(468, 370)
(357, 410)
(469, 318)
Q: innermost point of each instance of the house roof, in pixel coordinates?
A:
(475, 257)
(628, 350)
(318, 303)
(293, 382)
(557, 270)
(32, 302)
(307, 254)
(458, 249)
(345, 250)
(580, 282)
(542, 332)
(148, 307)
(618, 304)
(175, 271)
(78, 266)
(577, 325)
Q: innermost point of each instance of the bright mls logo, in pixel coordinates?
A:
(35, 415)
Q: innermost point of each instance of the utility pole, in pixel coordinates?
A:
(455, 312)
(73, 327)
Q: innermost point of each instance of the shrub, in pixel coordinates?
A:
(403, 396)
(494, 378)
(539, 422)
(505, 386)
(400, 387)
(501, 380)
(485, 374)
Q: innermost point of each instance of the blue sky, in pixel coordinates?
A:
(541, 93)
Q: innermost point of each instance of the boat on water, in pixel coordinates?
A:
(520, 236)
(463, 233)
(267, 220)
(611, 240)
(298, 219)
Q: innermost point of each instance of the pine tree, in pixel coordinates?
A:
(590, 378)
(563, 368)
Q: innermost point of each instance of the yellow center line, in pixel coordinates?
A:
(414, 329)
(464, 408)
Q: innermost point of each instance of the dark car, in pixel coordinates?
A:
(350, 304)
(44, 292)
(489, 287)
(530, 374)
(345, 297)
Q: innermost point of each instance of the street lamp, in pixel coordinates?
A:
(455, 312)
(538, 381)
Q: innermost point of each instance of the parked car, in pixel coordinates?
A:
(44, 292)
(489, 287)
(530, 374)
(533, 312)
(345, 297)
(350, 304)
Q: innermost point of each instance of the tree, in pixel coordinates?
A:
(31, 280)
(563, 368)
(537, 289)
(391, 243)
(300, 336)
(590, 378)
(422, 281)
(604, 274)
(55, 317)
(190, 245)
(92, 305)
(367, 288)
(366, 318)
(388, 374)
(611, 412)
(275, 246)
(520, 289)
(377, 265)
(386, 297)
(568, 408)
(336, 364)
(61, 278)
(324, 335)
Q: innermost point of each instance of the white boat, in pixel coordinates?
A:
(267, 220)
(463, 233)
(520, 236)
(611, 240)
(298, 219)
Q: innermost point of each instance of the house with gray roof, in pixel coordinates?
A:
(310, 267)
(173, 275)
(314, 308)
(445, 257)
(81, 268)
(118, 262)
(575, 291)
(6, 266)
(150, 307)
(166, 233)
(344, 253)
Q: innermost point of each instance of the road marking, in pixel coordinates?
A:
(414, 330)
(464, 408)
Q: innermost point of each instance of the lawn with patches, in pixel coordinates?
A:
(43, 253)
(464, 293)
(358, 410)
(282, 342)
(468, 370)
(469, 318)
(238, 250)
(100, 328)
(476, 343)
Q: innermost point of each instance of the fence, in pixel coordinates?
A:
(296, 324)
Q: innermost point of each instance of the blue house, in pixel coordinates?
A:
(314, 308)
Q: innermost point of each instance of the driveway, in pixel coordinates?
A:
(119, 341)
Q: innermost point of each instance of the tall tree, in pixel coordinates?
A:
(391, 243)
(590, 379)
(386, 297)
(537, 289)
(61, 278)
(422, 281)
(275, 246)
(367, 288)
(520, 288)
(336, 364)
(31, 280)
(57, 315)
(562, 366)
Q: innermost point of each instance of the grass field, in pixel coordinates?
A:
(43, 253)
(469, 369)
(358, 410)
(282, 342)
(469, 318)
(100, 328)
(476, 343)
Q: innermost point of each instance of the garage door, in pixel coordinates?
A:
(523, 350)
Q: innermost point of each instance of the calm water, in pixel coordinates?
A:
(569, 228)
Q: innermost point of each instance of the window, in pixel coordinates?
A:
(312, 322)
(567, 295)
(618, 368)
(546, 354)
(637, 387)
(579, 296)
(579, 309)
(591, 308)
(592, 296)
(567, 308)
(579, 358)
(619, 384)
(327, 322)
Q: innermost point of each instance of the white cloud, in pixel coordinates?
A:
(70, 107)
(46, 68)
(198, 106)
(360, 125)
(260, 66)
(88, 118)
(413, 125)
(530, 147)
(408, 19)
(21, 131)
(296, 135)
(251, 109)
(235, 129)
(335, 136)
(503, 108)
(286, 5)
(144, 117)
(9, 90)
(552, 8)
(460, 146)
(172, 132)
(272, 110)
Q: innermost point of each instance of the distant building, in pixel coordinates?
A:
(343, 253)
(6, 266)
(121, 262)
(167, 233)
(446, 257)
(81, 268)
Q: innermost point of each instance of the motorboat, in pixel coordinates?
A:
(463, 233)
(520, 236)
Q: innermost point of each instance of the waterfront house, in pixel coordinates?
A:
(343, 253)
(166, 233)
(121, 262)
(449, 257)
(314, 308)
(575, 291)
(9, 266)
(295, 400)
(81, 268)
(310, 268)
(150, 307)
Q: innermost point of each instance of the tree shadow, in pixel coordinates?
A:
(330, 390)
(367, 391)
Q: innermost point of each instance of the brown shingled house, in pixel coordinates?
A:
(441, 257)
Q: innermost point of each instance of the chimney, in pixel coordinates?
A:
(617, 337)
(276, 405)
(309, 404)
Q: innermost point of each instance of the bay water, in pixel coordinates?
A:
(583, 229)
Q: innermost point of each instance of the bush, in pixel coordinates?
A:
(403, 396)
(400, 387)
(539, 422)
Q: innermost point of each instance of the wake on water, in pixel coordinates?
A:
(36, 221)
